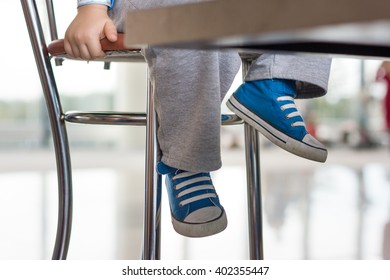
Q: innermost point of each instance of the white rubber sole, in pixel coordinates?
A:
(302, 149)
(201, 229)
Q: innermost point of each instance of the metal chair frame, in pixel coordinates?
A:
(58, 119)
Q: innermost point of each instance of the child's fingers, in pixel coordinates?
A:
(87, 51)
(72, 50)
(95, 49)
(84, 52)
(110, 31)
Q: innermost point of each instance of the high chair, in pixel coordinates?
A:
(44, 54)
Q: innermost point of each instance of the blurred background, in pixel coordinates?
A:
(336, 210)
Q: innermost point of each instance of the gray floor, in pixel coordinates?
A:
(336, 210)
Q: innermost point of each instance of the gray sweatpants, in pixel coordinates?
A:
(190, 85)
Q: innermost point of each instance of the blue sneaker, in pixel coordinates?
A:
(268, 105)
(194, 203)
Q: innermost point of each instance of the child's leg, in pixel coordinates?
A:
(266, 100)
(189, 87)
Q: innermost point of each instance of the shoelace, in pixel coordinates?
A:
(294, 113)
(201, 181)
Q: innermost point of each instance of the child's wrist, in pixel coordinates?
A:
(108, 3)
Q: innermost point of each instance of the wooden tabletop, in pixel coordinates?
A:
(358, 27)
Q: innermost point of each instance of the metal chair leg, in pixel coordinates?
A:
(60, 138)
(252, 150)
(152, 212)
(254, 194)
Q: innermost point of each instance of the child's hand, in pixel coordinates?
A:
(82, 39)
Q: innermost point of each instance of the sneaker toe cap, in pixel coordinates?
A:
(311, 141)
(319, 153)
(203, 215)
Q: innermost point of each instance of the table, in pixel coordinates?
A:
(335, 27)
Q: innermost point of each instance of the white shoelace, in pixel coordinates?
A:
(203, 186)
(291, 106)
